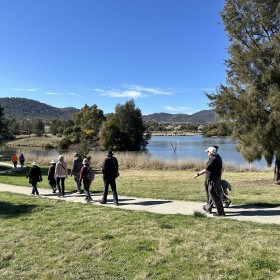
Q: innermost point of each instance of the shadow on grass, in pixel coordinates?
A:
(9, 210)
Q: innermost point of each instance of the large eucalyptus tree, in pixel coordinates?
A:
(250, 99)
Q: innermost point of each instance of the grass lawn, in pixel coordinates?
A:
(47, 239)
(248, 187)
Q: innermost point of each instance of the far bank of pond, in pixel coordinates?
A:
(166, 148)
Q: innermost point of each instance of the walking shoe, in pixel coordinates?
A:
(219, 214)
(206, 209)
(227, 203)
(116, 203)
(102, 202)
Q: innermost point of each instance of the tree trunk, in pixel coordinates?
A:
(277, 171)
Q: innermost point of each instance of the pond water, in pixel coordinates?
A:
(194, 146)
(187, 147)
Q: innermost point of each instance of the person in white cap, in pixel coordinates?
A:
(34, 176)
(213, 171)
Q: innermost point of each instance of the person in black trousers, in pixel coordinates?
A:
(51, 176)
(34, 176)
(110, 170)
(86, 176)
(213, 171)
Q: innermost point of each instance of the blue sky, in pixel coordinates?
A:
(165, 54)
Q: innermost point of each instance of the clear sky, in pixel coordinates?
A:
(165, 54)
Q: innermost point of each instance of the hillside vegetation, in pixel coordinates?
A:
(20, 108)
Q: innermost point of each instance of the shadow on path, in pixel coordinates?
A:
(145, 203)
(258, 209)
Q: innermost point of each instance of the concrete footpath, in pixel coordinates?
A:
(238, 212)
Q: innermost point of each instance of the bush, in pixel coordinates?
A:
(64, 143)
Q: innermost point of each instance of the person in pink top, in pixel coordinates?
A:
(61, 172)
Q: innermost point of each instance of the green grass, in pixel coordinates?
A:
(248, 187)
(46, 239)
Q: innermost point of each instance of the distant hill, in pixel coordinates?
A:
(198, 117)
(20, 108)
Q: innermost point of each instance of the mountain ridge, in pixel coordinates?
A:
(24, 108)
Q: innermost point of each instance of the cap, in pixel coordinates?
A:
(211, 150)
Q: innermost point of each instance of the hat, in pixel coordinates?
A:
(85, 161)
(211, 150)
(52, 162)
(35, 163)
(109, 153)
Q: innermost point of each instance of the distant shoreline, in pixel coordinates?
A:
(173, 134)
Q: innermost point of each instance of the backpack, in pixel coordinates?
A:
(88, 173)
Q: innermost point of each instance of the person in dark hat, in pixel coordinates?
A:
(213, 171)
(34, 176)
(51, 176)
(110, 170)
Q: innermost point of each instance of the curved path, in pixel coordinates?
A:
(269, 215)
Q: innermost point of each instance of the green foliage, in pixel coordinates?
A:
(124, 130)
(58, 126)
(217, 129)
(4, 131)
(89, 118)
(250, 101)
(39, 127)
(17, 108)
(64, 143)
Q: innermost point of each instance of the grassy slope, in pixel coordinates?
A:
(45, 239)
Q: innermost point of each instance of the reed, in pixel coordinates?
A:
(135, 160)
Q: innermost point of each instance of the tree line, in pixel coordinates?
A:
(123, 130)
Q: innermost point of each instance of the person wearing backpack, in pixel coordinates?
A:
(86, 176)
(110, 170)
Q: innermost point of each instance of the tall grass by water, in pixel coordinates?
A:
(134, 160)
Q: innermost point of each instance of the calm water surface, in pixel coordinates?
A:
(190, 147)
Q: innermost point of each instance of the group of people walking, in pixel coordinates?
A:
(83, 176)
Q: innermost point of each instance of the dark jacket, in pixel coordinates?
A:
(51, 172)
(34, 174)
(214, 168)
(77, 166)
(110, 167)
